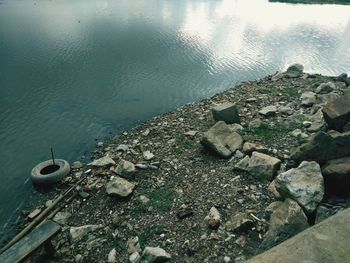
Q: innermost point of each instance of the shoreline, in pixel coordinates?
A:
(176, 181)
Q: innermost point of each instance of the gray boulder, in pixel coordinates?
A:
(303, 184)
(323, 146)
(287, 220)
(336, 175)
(227, 112)
(221, 140)
(120, 187)
(294, 71)
(263, 166)
(337, 112)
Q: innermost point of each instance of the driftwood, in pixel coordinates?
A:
(40, 217)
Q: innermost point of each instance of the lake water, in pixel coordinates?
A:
(75, 71)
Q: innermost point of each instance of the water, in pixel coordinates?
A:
(75, 71)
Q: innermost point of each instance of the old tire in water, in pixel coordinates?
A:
(48, 172)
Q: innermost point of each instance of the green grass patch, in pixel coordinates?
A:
(268, 90)
(162, 199)
(270, 132)
(289, 92)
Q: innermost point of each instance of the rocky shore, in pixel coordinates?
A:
(219, 180)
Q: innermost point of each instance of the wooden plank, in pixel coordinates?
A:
(30, 242)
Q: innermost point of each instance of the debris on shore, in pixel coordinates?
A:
(219, 180)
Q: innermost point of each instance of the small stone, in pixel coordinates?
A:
(122, 148)
(308, 98)
(112, 256)
(125, 168)
(250, 100)
(135, 257)
(297, 133)
(78, 258)
(249, 147)
(263, 166)
(133, 245)
(61, 217)
(120, 187)
(146, 132)
(213, 218)
(77, 233)
(285, 110)
(243, 164)
(141, 166)
(143, 199)
(155, 255)
(190, 133)
(307, 124)
(227, 259)
(240, 222)
(77, 165)
(235, 127)
(268, 111)
(184, 213)
(104, 161)
(147, 155)
(34, 214)
(227, 112)
(255, 124)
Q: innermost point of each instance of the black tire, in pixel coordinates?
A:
(61, 169)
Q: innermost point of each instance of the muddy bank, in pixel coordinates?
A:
(162, 185)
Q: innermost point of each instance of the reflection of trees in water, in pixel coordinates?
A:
(345, 2)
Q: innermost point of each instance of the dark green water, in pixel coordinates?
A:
(75, 71)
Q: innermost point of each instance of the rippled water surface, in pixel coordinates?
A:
(75, 71)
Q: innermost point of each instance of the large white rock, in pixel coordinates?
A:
(263, 166)
(303, 184)
(221, 140)
(120, 187)
(125, 168)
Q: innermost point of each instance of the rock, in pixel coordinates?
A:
(235, 127)
(347, 82)
(285, 110)
(307, 124)
(184, 213)
(227, 112)
(325, 88)
(272, 189)
(249, 147)
(190, 133)
(144, 200)
(104, 161)
(286, 220)
(155, 254)
(213, 218)
(122, 148)
(145, 132)
(239, 223)
(268, 111)
(323, 213)
(336, 175)
(316, 126)
(297, 133)
(61, 217)
(147, 155)
(323, 99)
(227, 259)
(262, 166)
(308, 98)
(322, 147)
(78, 258)
(243, 164)
(133, 245)
(294, 71)
(77, 233)
(135, 257)
(342, 77)
(34, 214)
(277, 76)
(120, 187)
(255, 124)
(125, 168)
(250, 100)
(141, 166)
(303, 184)
(112, 256)
(221, 140)
(77, 165)
(337, 112)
